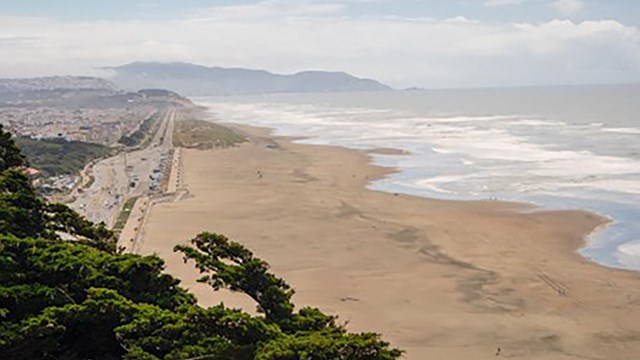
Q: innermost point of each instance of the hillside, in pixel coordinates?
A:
(58, 156)
(196, 80)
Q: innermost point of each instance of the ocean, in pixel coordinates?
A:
(572, 147)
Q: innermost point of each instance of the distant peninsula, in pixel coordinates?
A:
(197, 80)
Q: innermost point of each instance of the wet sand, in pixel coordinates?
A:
(439, 279)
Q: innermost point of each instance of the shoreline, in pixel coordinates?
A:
(439, 278)
(517, 207)
(525, 205)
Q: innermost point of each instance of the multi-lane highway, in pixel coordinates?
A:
(126, 175)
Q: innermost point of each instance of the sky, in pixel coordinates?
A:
(404, 43)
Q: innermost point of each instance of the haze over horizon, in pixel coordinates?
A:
(483, 43)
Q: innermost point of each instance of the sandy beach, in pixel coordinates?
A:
(439, 279)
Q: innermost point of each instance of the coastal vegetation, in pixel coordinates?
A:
(123, 217)
(143, 133)
(201, 134)
(86, 299)
(55, 157)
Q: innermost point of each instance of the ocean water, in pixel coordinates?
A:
(560, 147)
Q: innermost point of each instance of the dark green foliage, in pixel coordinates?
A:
(136, 138)
(81, 299)
(21, 211)
(217, 332)
(229, 264)
(66, 300)
(59, 156)
(10, 155)
(24, 214)
(64, 219)
(328, 344)
(74, 331)
(74, 267)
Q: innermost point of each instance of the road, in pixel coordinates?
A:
(126, 175)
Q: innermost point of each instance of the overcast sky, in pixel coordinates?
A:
(427, 43)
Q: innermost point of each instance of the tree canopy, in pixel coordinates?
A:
(85, 299)
(59, 156)
(10, 155)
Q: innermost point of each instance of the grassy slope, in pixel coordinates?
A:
(200, 134)
(143, 135)
(58, 157)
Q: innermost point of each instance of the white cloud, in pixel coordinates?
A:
(568, 7)
(269, 9)
(494, 3)
(289, 37)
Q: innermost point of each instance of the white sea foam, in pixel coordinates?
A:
(433, 187)
(608, 184)
(536, 122)
(513, 156)
(441, 151)
(625, 130)
(469, 119)
(628, 254)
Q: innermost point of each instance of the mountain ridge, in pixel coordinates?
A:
(199, 80)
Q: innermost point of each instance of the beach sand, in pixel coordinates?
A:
(439, 279)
